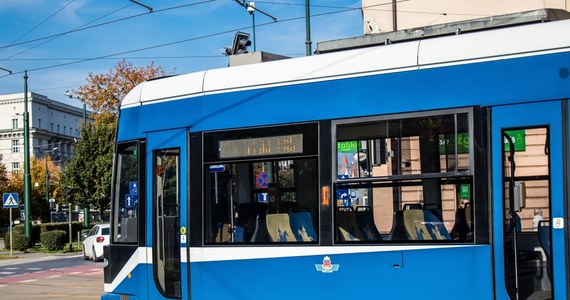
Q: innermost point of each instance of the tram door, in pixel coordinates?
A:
(528, 201)
(167, 221)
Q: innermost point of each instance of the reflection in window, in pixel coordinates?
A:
(262, 201)
(126, 194)
(404, 180)
(166, 219)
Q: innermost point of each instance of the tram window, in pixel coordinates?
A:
(264, 201)
(126, 210)
(531, 184)
(166, 219)
(404, 180)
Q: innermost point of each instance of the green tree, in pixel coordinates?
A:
(14, 183)
(89, 172)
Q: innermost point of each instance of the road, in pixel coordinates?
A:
(34, 277)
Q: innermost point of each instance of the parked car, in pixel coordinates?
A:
(93, 244)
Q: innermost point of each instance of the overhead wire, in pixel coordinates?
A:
(106, 23)
(57, 36)
(116, 55)
(178, 42)
(38, 25)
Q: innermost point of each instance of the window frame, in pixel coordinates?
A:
(395, 180)
(310, 132)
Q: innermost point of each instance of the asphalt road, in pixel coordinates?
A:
(38, 276)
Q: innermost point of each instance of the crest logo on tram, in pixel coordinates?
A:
(327, 266)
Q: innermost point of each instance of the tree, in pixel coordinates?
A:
(88, 175)
(104, 92)
(14, 183)
(89, 172)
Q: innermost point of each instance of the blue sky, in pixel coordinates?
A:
(49, 37)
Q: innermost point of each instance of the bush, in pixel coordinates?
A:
(20, 241)
(53, 240)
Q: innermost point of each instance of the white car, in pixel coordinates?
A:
(94, 242)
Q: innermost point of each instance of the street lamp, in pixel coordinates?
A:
(69, 94)
(27, 177)
(47, 177)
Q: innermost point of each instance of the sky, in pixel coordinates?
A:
(59, 42)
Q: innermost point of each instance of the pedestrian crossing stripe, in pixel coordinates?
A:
(10, 201)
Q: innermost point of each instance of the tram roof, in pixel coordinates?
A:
(430, 51)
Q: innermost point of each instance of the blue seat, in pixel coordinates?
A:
(544, 239)
(366, 225)
(435, 226)
(302, 226)
(347, 229)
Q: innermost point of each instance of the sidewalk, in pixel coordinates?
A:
(20, 257)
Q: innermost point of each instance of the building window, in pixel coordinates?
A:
(15, 146)
(40, 123)
(70, 131)
(57, 128)
(64, 129)
(14, 123)
(15, 166)
(51, 127)
(77, 132)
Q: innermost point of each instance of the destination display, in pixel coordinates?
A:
(271, 145)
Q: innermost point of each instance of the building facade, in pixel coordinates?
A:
(52, 125)
(391, 15)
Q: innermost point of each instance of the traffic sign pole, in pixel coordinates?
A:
(11, 236)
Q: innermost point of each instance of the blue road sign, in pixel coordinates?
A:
(217, 168)
(131, 200)
(10, 200)
(134, 187)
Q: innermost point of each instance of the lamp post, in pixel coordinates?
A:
(47, 177)
(27, 177)
(69, 94)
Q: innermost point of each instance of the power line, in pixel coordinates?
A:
(57, 36)
(115, 55)
(124, 57)
(23, 35)
(105, 23)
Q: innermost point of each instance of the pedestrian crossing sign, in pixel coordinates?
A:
(10, 200)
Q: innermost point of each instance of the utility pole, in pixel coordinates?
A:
(27, 177)
(308, 28)
(70, 94)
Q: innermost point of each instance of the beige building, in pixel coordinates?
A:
(391, 15)
(54, 129)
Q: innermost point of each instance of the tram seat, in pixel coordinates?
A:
(302, 226)
(436, 227)
(409, 224)
(260, 234)
(544, 239)
(279, 228)
(247, 217)
(398, 231)
(413, 206)
(223, 233)
(415, 225)
(347, 228)
(366, 225)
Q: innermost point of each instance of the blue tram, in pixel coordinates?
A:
(433, 168)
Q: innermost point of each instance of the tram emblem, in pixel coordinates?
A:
(327, 266)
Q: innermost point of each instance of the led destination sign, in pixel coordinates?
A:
(272, 145)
